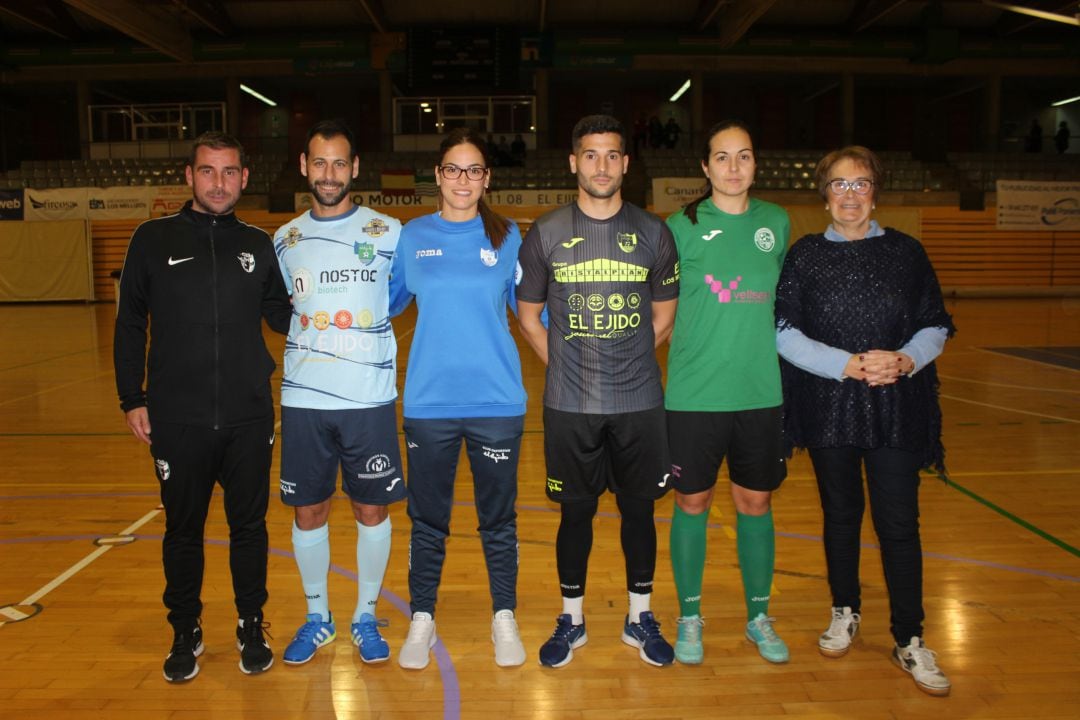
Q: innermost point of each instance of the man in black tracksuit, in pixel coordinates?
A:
(205, 280)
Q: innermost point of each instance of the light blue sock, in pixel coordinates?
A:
(312, 550)
(372, 554)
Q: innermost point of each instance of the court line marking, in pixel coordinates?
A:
(71, 571)
(1009, 385)
(1009, 409)
(53, 388)
(1009, 516)
(1026, 359)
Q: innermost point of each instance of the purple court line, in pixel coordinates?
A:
(451, 688)
(537, 508)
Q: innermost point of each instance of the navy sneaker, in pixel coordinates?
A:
(645, 635)
(559, 649)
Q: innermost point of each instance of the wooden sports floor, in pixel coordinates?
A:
(85, 633)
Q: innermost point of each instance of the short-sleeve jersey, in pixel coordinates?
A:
(599, 279)
(723, 347)
(340, 350)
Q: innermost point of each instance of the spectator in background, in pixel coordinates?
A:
(1034, 138)
(1061, 138)
(517, 150)
(671, 133)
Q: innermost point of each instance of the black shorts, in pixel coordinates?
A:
(363, 442)
(752, 440)
(588, 453)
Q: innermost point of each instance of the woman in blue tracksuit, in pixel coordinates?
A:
(463, 382)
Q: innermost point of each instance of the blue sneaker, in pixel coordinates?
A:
(365, 635)
(688, 648)
(311, 636)
(760, 632)
(559, 649)
(645, 635)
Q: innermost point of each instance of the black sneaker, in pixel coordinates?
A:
(187, 645)
(255, 654)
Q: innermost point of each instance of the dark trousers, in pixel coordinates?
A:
(189, 460)
(433, 446)
(892, 479)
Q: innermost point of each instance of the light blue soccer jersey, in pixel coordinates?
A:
(340, 351)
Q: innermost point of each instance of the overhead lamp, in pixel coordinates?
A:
(257, 95)
(1032, 12)
(679, 93)
(1066, 101)
(424, 104)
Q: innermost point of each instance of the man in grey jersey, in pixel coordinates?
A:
(608, 273)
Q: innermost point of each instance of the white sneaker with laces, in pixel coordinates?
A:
(836, 641)
(509, 651)
(921, 662)
(414, 653)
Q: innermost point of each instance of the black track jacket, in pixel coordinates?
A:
(205, 282)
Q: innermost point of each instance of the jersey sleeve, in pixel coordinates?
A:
(533, 285)
(400, 297)
(664, 275)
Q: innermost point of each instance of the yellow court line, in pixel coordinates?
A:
(1009, 409)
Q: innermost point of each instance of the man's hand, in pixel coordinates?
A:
(139, 422)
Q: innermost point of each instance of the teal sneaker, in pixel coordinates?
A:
(688, 649)
(760, 632)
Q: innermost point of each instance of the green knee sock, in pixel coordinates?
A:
(756, 540)
(688, 558)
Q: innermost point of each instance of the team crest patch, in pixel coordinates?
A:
(293, 236)
(163, 469)
(376, 228)
(764, 239)
(489, 257)
(365, 251)
(247, 261)
(627, 242)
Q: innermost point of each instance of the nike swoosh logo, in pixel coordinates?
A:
(180, 260)
(393, 482)
(711, 235)
(572, 242)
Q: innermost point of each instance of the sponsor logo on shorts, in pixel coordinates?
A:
(496, 454)
(393, 482)
(163, 470)
(287, 488)
(377, 466)
(554, 485)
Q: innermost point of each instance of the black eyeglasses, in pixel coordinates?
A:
(859, 187)
(453, 172)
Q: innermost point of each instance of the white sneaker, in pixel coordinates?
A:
(414, 652)
(509, 652)
(916, 659)
(836, 641)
